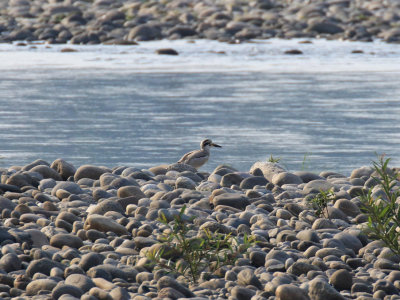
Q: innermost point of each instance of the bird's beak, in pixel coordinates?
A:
(215, 145)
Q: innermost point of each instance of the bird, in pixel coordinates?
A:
(197, 158)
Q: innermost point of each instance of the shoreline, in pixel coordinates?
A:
(85, 233)
(128, 22)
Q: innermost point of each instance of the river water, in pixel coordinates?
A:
(328, 109)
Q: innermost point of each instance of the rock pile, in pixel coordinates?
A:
(128, 21)
(68, 233)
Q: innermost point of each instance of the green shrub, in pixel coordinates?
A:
(206, 251)
(320, 202)
(383, 211)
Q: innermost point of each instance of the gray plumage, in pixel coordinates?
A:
(197, 158)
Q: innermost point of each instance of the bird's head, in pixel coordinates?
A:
(207, 143)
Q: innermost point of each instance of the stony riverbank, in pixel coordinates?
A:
(70, 233)
(128, 21)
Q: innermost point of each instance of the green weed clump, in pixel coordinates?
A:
(274, 159)
(195, 254)
(383, 211)
(320, 202)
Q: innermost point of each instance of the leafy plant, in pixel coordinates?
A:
(273, 159)
(195, 254)
(383, 211)
(320, 202)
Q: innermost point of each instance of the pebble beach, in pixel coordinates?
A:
(83, 233)
(130, 21)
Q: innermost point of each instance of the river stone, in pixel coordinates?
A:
(325, 27)
(341, 280)
(91, 259)
(230, 179)
(242, 293)
(166, 281)
(250, 182)
(130, 191)
(231, 199)
(145, 32)
(47, 172)
(104, 224)
(309, 235)
(120, 293)
(38, 238)
(63, 239)
(317, 186)
(6, 204)
(63, 168)
(278, 255)
(307, 176)
(80, 281)
(89, 171)
(350, 241)
(20, 180)
(386, 286)
(35, 286)
(290, 292)
(361, 172)
(43, 265)
(286, 178)
(62, 289)
(319, 289)
(68, 186)
(35, 163)
(269, 169)
(105, 206)
(185, 183)
(10, 262)
(247, 277)
(348, 207)
(323, 223)
(167, 51)
(169, 293)
(300, 267)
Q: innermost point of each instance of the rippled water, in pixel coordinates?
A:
(115, 116)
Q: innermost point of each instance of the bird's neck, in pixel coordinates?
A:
(206, 148)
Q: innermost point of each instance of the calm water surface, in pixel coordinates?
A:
(335, 120)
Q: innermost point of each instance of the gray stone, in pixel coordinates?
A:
(247, 277)
(309, 235)
(286, 178)
(231, 179)
(89, 171)
(91, 259)
(290, 292)
(231, 199)
(300, 267)
(105, 206)
(347, 207)
(38, 285)
(321, 290)
(68, 186)
(10, 262)
(307, 176)
(242, 293)
(169, 282)
(47, 172)
(186, 183)
(325, 27)
(145, 32)
(62, 289)
(341, 280)
(120, 293)
(104, 224)
(80, 281)
(169, 293)
(350, 241)
(316, 186)
(63, 239)
(63, 168)
(361, 172)
(280, 255)
(250, 182)
(269, 169)
(43, 265)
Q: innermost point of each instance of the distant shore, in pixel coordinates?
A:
(86, 233)
(128, 22)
